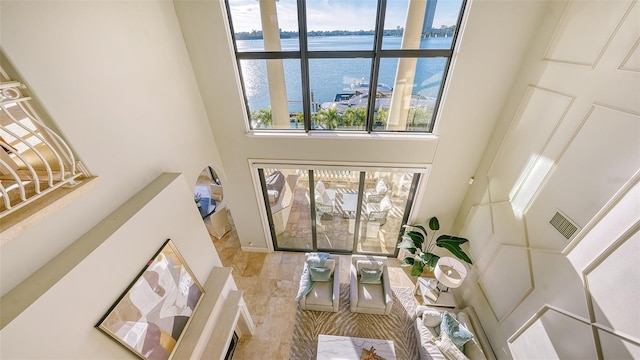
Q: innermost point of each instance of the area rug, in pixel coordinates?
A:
(397, 326)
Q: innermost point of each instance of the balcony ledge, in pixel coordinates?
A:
(22, 219)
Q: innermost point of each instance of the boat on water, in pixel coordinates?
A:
(357, 95)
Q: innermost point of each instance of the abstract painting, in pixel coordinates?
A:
(153, 312)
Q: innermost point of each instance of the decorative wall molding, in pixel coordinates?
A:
(603, 212)
(598, 261)
(633, 53)
(500, 316)
(536, 102)
(577, 19)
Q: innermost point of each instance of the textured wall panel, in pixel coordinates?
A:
(477, 229)
(578, 40)
(614, 347)
(546, 338)
(615, 284)
(537, 118)
(632, 60)
(602, 157)
(508, 228)
(557, 283)
(506, 280)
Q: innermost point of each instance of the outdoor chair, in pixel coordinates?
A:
(378, 211)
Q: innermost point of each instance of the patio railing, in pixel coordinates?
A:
(34, 160)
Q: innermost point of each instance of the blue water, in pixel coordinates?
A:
(327, 77)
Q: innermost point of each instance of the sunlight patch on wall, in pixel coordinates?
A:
(529, 182)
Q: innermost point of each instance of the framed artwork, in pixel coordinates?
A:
(152, 314)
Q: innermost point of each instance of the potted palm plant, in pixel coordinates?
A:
(416, 241)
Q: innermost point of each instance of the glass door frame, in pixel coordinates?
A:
(415, 191)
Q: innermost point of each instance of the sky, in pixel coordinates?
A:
(336, 14)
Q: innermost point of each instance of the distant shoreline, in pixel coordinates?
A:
(257, 34)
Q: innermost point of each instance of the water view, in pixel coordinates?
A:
(329, 77)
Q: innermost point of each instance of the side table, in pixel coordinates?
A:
(425, 287)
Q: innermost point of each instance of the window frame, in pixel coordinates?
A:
(376, 54)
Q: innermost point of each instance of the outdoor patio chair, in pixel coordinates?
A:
(378, 211)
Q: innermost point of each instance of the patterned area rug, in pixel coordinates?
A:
(398, 326)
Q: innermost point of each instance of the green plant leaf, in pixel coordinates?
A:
(407, 244)
(451, 239)
(430, 260)
(454, 248)
(408, 261)
(417, 268)
(421, 228)
(434, 224)
(417, 238)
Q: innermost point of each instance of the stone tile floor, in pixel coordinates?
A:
(270, 284)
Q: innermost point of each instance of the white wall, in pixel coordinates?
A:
(59, 322)
(115, 77)
(568, 140)
(478, 82)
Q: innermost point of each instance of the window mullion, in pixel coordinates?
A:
(304, 64)
(375, 65)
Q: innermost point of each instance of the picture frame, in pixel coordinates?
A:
(152, 314)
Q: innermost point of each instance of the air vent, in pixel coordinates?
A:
(563, 225)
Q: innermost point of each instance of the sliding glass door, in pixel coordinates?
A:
(336, 209)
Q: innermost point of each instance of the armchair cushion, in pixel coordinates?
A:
(369, 264)
(324, 295)
(320, 273)
(368, 276)
(320, 296)
(369, 298)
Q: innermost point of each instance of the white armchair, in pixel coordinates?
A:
(366, 294)
(325, 295)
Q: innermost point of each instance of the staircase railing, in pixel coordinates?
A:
(34, 159)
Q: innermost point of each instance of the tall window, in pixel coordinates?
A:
(312, 65)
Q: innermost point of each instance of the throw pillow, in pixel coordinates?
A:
(381, 187)
(320, 273)
(369, 264)
(326, 199)
(431, 318)
(385, 204)
(449, 349)
(458, 333)
(368, 276)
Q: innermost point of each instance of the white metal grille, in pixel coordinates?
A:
(34, 160)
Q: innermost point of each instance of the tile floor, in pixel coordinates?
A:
(270, 284)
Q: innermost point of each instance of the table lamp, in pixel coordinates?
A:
(450, 272)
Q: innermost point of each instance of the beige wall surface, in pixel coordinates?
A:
(116, 79)
(59, 324)
(474, 97)
(567, 141)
